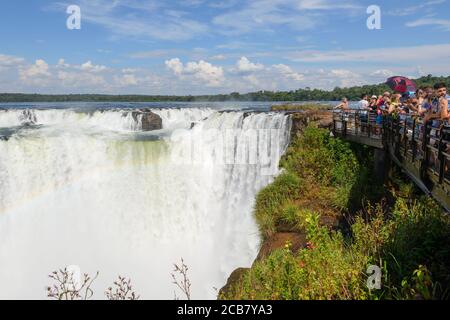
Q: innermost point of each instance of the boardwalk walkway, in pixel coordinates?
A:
(419, 149)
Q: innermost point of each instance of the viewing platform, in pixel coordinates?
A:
(420, 149)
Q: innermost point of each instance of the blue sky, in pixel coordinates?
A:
(203, 47)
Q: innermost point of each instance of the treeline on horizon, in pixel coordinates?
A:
(306, 94)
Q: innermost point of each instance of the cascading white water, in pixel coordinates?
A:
(89, 189)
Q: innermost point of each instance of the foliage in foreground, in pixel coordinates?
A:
(321, 173)
(410, 244)
(409, 240)
(67, 287)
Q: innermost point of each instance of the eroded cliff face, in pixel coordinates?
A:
(300, 120)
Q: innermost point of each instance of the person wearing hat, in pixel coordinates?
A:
(373, 103)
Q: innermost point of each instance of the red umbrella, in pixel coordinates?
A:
(401, 84)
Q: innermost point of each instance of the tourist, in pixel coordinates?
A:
(421, 99)
(384, 102)
(343, 105)
(394, 104)
(414, 106)
(432, 107)
(373, 103)
(363, 104)
(442, 100)
(429, 91)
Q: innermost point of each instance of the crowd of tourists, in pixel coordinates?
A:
(431, 103)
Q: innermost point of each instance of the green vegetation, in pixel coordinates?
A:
(306, 94)
(408, 239)
(321, 173)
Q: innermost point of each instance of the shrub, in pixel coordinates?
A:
(271, 200)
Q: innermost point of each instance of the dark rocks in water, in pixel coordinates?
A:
(150, 121)
(28, 117)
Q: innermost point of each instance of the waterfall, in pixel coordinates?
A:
(90, 189)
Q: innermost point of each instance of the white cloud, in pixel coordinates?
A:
(89, 67)
(144, 19)
(253, 80)
(130, 70)
(244, 65)
(36, 73)
(390, 55)
(79, 80)
(288, 72)
(325, 5)
(262, 15)
(126, 80)
(203, 71)
(268, 14)
(155, 53)
(427, 6)
(218, 57)
(175, 65)
(383, 73)
(10, 61)
(440, 23)
(62, 64)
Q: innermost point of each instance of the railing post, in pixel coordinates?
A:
(397, 137)
(441, 158)
(424, 164)
(405, 137)
(344, 125)
(413, 140)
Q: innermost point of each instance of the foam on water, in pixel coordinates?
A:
(89, 189)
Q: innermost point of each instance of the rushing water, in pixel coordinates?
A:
(81, 184)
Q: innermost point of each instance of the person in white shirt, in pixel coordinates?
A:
(363, 104)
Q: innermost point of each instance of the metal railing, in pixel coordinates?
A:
(421, 149)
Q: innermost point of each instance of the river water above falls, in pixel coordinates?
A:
(85, 186)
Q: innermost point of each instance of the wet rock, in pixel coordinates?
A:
(150, 121)
(300, 120)
(28, 117)
(279, 240)
(235, 277)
